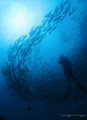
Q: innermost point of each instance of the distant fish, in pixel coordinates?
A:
(48, 15)
(72, 11)
(29, 108)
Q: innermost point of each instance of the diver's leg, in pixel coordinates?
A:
(68, 79)
(68, 90)
(74, 77)
(79, 84)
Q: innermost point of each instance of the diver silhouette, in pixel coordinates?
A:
(67, 66)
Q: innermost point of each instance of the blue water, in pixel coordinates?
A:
(32, 83)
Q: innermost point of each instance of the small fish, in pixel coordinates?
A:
(29, 108)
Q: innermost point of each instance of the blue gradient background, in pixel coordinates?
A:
(12, 108)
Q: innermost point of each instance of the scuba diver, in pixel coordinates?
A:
(67, 66)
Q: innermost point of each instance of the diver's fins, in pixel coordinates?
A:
(81, 87)
(66, 94)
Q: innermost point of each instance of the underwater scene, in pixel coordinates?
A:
(43, 59)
